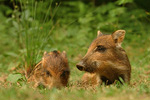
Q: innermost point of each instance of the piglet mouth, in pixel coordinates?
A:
(85, 68)
(82, 67)
(89, 69)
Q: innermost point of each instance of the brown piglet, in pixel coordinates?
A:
(106, 61)
(52, 71)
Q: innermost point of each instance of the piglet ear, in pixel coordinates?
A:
(64, 54)
(42, 61)
(45, 53)
(43, 58)
(118, 36)
(99, 33)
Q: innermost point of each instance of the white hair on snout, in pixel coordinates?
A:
(116, 66)
(96, 63)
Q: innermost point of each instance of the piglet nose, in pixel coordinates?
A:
(80, 66)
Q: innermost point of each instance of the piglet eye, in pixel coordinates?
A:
(100, 48)
(48, 73)
(65, 73)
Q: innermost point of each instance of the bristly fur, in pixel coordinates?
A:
(110, 61)
(52, 71)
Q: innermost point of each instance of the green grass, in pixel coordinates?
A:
(74, 36)
(139, 88)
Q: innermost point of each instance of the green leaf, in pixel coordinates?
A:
(16, 25)
(13, 78)
(120, 2)
(11, 54)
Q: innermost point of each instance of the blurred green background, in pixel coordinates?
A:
(30, 27)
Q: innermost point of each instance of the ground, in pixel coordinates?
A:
(73, 33)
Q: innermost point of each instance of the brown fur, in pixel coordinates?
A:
(106, 59)
(51, 71)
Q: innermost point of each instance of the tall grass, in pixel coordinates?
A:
(34, 34)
